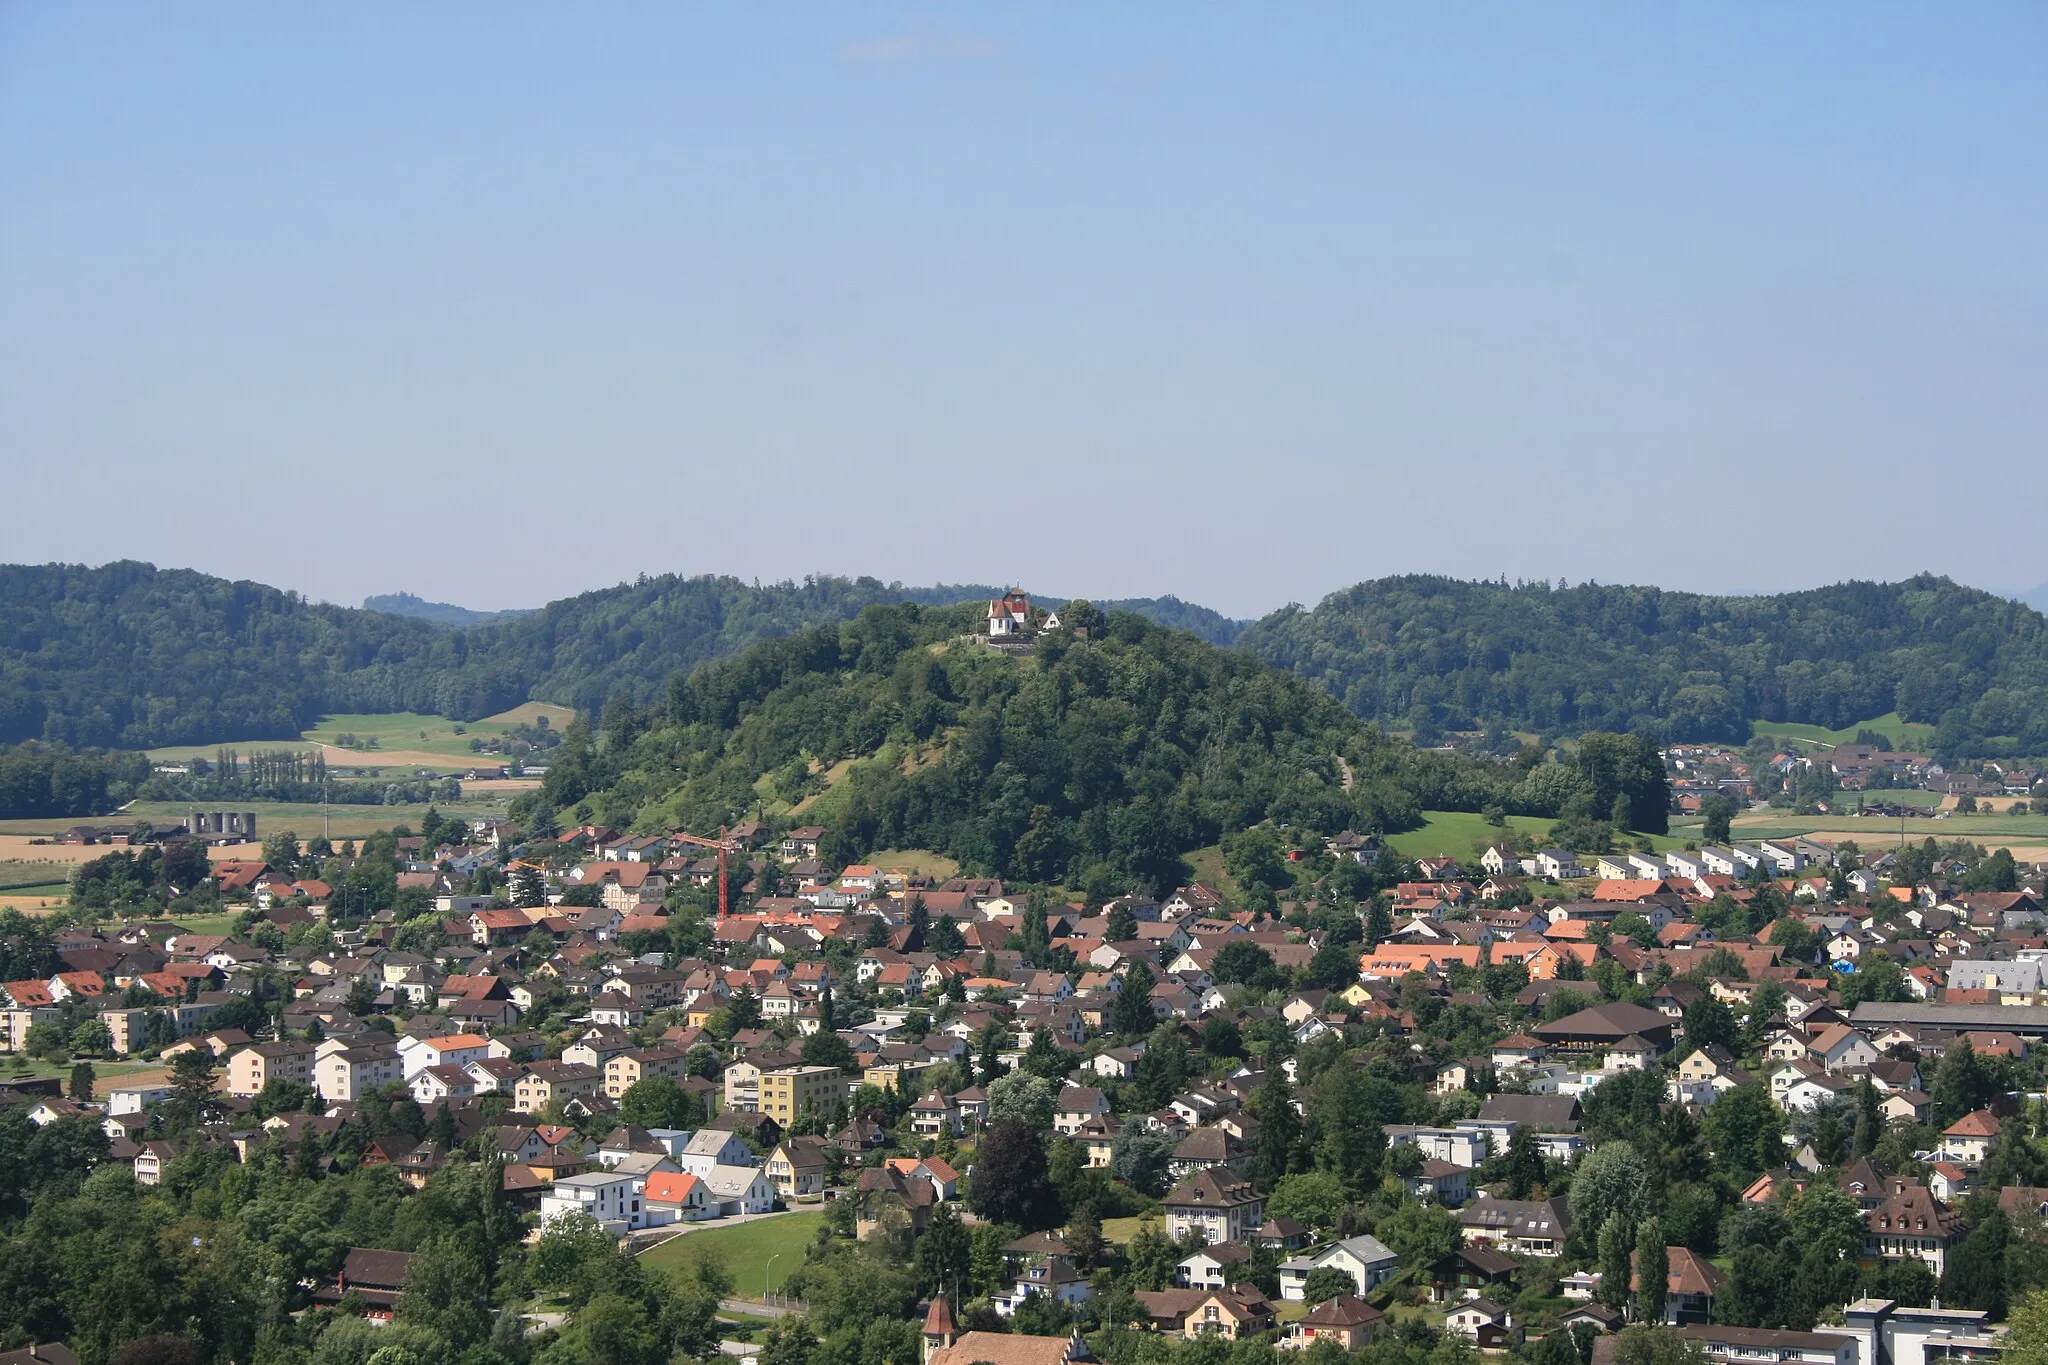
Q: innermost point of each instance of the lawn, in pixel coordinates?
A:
(1908, 735)
(745, 1248)
(1121, 1230)
(916, 862)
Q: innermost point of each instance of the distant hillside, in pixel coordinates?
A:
(440, 613)
(1175, 614)
(2037, 598)
(128, 655)
(1442, 654)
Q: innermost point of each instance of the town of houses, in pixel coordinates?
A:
(526, 1030)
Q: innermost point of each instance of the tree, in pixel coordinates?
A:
(1719, 813)
(1616, 1241)
(1084, 1237)
(1313, 1198)
(1153, 1257)
(1279, 1127)
(1961, 1084)
(1653, 1271)
(1977, 1271)
(1645, 1345)
(1009, 1178)
(1709, 1022)
(1139, 1159)
(658, 1102)
(191, 1099)
(1420, 1234)
(1132, 1014)
(1869, 1118)
(92, 1037)
(1745, 1130)
(448, 1291)
(944, 1253)
(826, 1048)
(613, 1329)
(1524, 1162)
(1610, 1179)
(1326, 1282)
(2026, 1341)
(1123, 923)
(82, 1078)
(1825, 1220)
(1026, 1098)
(1241, 963)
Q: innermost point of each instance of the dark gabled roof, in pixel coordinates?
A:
(1608, 1023)
(1544, 1113)
(1208, 1189)
(368, 1269)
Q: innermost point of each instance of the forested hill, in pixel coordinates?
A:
(439, 613)
(1094, 762)
(128, 655)
(1439, 653)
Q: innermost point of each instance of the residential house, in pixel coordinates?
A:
(1366, 1259)
(1215, 1204)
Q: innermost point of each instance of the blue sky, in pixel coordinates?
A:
(499, 302)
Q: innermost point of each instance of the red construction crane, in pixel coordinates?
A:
(724, 846)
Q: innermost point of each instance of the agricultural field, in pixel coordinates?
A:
(2025, 835)
(405, 740)
(1909, 735)
(745, 1248)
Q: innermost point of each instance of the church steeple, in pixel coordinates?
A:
(939, 1329)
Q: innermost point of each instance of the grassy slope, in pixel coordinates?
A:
(1908, 733)
(745, 1249)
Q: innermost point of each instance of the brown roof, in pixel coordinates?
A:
(1978, 1124)
(1004, 1348)
(1346, 1310)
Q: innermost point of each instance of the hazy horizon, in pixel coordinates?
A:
(500, 304)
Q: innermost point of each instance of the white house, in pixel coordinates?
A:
(614, 1200)
(1367, 1260)
(711, 1148)
(739, 1189)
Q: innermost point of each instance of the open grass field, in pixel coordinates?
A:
(1455, 834)
(405, 739)
(745, 1248)
(106, 1073)
(1909, 735)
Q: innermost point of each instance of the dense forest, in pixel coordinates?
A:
(41, 780)
(1441, 654)
(438, 613)
(1097, 762)
(128, 655)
